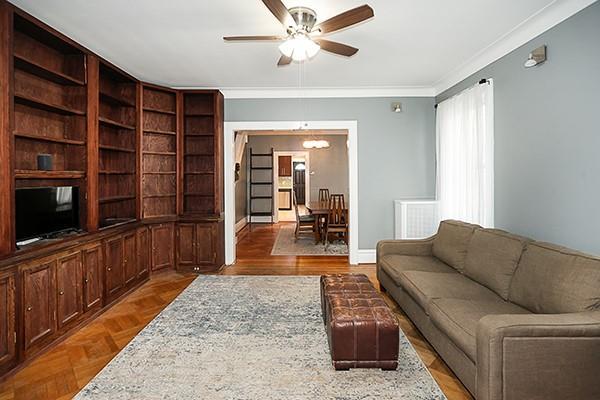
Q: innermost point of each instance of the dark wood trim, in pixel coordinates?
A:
(139, 92)
(93, 78)
(180, 151)
(6, 178)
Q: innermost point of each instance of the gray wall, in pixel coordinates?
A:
(241, 204)
(396, 152)
(547, 135)
(328, 167)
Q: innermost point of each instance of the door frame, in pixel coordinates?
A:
(292, 153)
(229, 174)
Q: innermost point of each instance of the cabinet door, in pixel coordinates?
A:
(143, 252)
(129, 258)
(39, 295)
(285, 165)
(113, 252)
(186, 244)
(163, 239)
(69, 299)
(205, 244)
(92, 277)
(7, 320)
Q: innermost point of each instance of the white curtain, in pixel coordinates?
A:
(465, 156)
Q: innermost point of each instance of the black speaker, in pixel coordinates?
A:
(44, 162)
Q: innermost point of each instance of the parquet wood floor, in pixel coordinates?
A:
(62, 371)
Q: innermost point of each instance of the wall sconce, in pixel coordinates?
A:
(397, 107)
(536, 57)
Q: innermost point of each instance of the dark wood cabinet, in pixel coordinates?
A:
(113, 253)
(130, 267)
(92, 277)
(186, 244)
(8, 335)
(39, 296)
(205, 239)
(69, 299)
(285, 165)
(163, 243)
(197, 246)
(143, 252)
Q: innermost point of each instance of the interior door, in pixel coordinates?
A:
(300, 184)
(7, 320)
(69, 299)
(39, 297)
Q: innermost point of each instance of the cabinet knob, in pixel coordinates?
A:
(86, 280)
(61, 293)
(29, 308)
(109, 269)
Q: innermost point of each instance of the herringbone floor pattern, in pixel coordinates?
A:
(62, 371)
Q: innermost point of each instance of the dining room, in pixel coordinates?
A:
(295, 183)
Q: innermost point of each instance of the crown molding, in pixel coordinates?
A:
(548, 17)
(290, 92)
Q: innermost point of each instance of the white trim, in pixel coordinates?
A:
(259, 219)
(367, 256)
(316, 92)
(241, 224)
(229, 164)
(540, 22)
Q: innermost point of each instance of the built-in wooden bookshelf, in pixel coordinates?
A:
(159, 152)
(50, 107)
(117, 147)
(200, 152)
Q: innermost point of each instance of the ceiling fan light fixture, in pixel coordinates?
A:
(299, 47)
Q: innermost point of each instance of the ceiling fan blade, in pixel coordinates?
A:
(280, 11)
(345, 19)
(237, 38)
(337, 48)
(284, 60)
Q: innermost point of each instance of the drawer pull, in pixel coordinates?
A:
(61, 293)
(29, 308)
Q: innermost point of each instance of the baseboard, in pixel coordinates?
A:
(367, 256)
(241, 224)
(261, 220)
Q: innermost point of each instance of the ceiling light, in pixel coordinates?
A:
(315, 144)
(299, 47)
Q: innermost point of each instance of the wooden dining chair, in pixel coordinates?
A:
(323, 194)
(337, 222)
(305, 224)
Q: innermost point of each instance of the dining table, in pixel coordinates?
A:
(320, 209)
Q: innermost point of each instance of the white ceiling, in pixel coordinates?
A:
(179, 42)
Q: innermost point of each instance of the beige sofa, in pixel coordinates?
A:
(515, 319)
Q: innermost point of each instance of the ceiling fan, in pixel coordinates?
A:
(304, 35)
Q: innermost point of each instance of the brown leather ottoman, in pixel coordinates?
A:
(343, 283)
(361, 329)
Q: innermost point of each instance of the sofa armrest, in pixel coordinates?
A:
(421, 247)
(538, 356)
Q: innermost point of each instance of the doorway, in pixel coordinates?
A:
(299, 178)
(285, 180)
(230, 129)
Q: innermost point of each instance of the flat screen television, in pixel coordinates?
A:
(46, 211)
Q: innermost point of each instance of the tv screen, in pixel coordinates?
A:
(44, 211)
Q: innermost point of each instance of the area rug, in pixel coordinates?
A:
(286, 245)
(240, 337)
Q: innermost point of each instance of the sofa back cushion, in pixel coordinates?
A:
(451, 241)
(551, 279)
(492, 258)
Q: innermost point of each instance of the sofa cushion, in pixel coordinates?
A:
(458, 319)
(451, 241)
(395, 264)
(426, 286)
(492, 258)
(552, 279)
